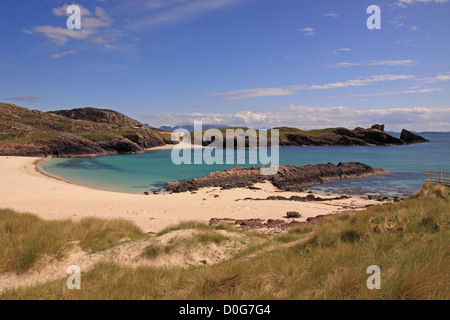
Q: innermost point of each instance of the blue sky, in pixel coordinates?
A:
(260, 63)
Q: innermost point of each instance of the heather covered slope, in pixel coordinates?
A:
(77, 132)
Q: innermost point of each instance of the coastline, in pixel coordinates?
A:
(25, 188)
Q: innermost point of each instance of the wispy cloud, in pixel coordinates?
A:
(291, 90)
(331, 14)
(176, 11)
(343, 64)
(399, 21)
(24, 99)
(259, 92)
(341, 50)
(361, 82)
(63, 54)
(405, 3)
(390, 93)
(391, 63)
(439, 78)
(308, 31)
(311, 117)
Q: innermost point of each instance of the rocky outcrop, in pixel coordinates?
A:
(78, 132)
(410, 137)
(121, 146)
(113, 118)
(309, 198)
(271, 226)
(288, 178)
(145, 138)
(375, 136)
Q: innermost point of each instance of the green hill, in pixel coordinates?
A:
(77, 132)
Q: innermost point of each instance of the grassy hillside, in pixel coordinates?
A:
(71, 132)
(339, 136)
(25, 238)
(407, 240)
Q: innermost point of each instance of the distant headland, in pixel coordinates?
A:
(94, 132)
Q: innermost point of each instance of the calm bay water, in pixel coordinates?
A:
(150, 171)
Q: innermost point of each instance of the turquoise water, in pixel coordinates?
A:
(150, 171)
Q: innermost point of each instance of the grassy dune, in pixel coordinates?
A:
(25, 238)
(407, 240)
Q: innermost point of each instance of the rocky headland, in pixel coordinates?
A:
(374, 136)
(77, 132)
(94, 132)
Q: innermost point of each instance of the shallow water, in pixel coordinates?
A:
(150, 171)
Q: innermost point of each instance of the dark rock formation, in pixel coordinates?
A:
(272, 226)
(297, 198)
(293, 214)
(121, 146)
(375, 136)
(318, 219)
(379, 127)
(410, 137)
(288, 178)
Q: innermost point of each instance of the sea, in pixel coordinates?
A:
(148, 172)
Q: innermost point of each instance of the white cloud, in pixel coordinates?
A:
(308, 31)
(176, 11)
(444, 77)
(361, 82)
(392, 63)
(63, 54)
(343, 64)
(291, 90)
(439, 78)
(308, 117)
(340, 50)
(259, 92)
(155, 4)
(413, 28)
(405, 3)
(331, 14)
(390, 93)
(90, 25)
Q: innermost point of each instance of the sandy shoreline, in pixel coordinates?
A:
(23, 188)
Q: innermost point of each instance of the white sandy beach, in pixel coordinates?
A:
(24, 189)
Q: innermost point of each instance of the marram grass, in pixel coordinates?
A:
(407, 240)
